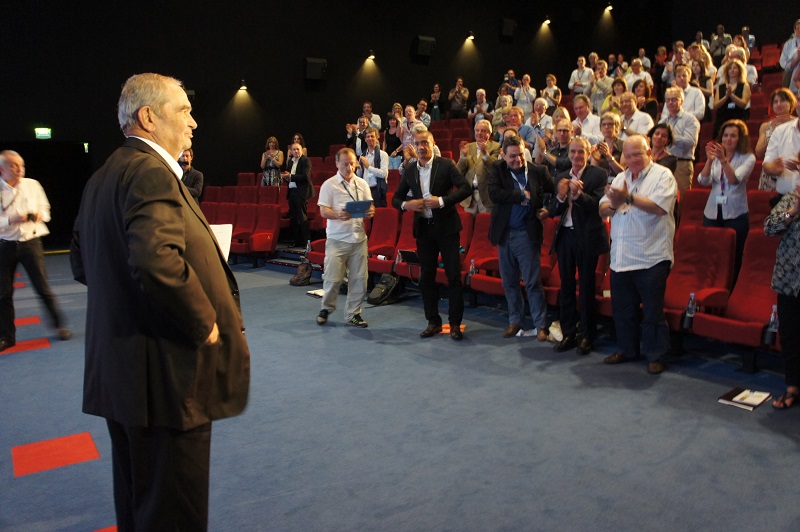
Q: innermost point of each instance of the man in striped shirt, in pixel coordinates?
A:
(640, 202)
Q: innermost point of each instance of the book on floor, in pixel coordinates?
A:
(742, 398)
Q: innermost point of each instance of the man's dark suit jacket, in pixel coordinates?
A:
(193, 179)
(157, 284)
(447, 183)
(504, 192)
(303, 177)
(592, 236)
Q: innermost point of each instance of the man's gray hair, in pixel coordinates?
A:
(485, 123)
(139, 91)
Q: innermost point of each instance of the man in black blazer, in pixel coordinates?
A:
(517, 190)
(299, 188)
(580, 238)
(165, 347)
(436, 187)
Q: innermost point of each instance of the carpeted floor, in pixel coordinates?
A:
(377, 429)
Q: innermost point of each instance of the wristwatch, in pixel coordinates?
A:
(629, 200)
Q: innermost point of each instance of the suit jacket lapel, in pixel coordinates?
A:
(434, 170)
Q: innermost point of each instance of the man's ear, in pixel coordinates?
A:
(145, 117)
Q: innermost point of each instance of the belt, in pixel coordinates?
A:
(686, 160)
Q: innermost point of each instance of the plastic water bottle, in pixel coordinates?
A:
(688, 315)
(472, 270)
(691, 306)
(771, 333)
(308, 248)
(773, 320)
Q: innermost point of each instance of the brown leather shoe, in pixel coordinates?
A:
(541, 335)
(430, 330)
(585, 347)
(456, 334)
(511, 330)
(566, 343)
(616, 358)
(655, 367)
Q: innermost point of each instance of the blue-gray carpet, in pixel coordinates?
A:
(377, 429)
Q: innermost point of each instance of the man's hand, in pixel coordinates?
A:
(213, 337)
(562, 189)
(416, 205)
(364, 161)
(431, 202)
(617, 195)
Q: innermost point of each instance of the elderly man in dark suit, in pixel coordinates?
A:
(517, 190)
(299, 188)
(165, 346)
(580, 239)
(436, 187)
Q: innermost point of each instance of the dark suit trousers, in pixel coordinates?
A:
(160, 477)
(570, 257)
(429, 245)
(31, 255)
(298, 213)
(630, 289)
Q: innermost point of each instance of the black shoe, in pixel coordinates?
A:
(566, 343)
(455, 332)
(5, 344)
(64, 333)
(322, 317)
(430, 330)
(356, 321)
(585, 347)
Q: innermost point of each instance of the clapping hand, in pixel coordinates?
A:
(617, 195)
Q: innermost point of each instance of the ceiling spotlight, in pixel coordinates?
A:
(547, 20)
(371, 55)
(609, 7)
(243, 86)
(471, 36)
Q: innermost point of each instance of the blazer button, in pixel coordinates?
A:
(235, 293)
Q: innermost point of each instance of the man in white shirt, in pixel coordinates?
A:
(641, 202)
(637, 73)
(694, 102)
(790, 55)
(783, 156)
(374, 120)
(373, 167)
(632, 120)
(25, 210)
(580, 82)
(586, 124)
(346, 245)
(422, 116)
(644, 59)
(685, 132)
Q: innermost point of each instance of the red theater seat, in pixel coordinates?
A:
(704, 258)
(747, 312)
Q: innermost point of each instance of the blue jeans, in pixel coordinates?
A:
(519, 256)
(645, 287)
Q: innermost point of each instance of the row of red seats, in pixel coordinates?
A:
(256, 227)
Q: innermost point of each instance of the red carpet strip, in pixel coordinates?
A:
(27, 345)
(49, 454)
(27, 320)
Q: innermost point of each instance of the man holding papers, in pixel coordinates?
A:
(346, 245)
